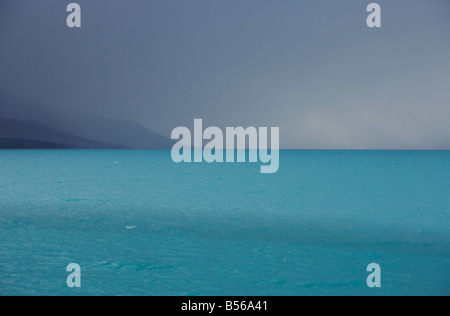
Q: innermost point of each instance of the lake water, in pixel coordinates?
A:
(139, 224)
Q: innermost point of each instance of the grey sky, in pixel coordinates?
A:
(313, 68)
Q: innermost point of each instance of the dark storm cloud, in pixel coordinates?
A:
(311, 67)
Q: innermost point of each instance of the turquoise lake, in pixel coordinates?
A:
(139, 224)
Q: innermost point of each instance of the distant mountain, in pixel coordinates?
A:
(125, 133)
(89, 129)
(22, 134)
(11, 143)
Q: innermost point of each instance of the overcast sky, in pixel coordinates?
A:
(313, 68)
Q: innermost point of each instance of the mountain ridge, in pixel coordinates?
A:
(18, 133)
(77, 127)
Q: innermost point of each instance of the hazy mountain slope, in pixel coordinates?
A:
(8, 143)
(22, 133)
(127, 134)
